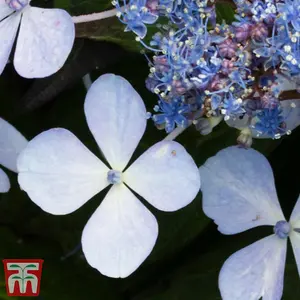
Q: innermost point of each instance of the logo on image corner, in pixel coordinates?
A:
(23, 276)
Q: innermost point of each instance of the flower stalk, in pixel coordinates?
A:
(95, 16)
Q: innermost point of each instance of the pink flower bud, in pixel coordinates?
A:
(227, 66)
(259, 32)
(228, 48)
(152, 6)
(242, 32)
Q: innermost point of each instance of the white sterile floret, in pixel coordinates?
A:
(44, 42)
(238, 194)
(12, 142)
(60, 174)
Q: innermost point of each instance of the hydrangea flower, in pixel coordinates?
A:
(263, 127)
(135, 16)
(240, 196)
(290, 9)
(45, 38)
(12, 142)
(171, 114)
(60, 174)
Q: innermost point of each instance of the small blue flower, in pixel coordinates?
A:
(172, 113)
(215, 101)
(263, 10)
(231, 105)
(290, 11)
(270, 122)
(272, 51)
(135, 16)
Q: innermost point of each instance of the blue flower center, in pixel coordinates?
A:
(17, 4)
(282, 229)
(114, 176)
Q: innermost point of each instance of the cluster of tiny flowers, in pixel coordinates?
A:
(203, 71)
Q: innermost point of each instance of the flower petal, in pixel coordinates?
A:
(291, 113)
(12, 142)
(8, 32)
(5, 10)
(139, 29)
(238, 190)
(165, 175)
(295, 235)
(120, 234)
(255, 271)
(149, 18)
(4, 182)
(59, 173)
(116, 115)
(45, 41)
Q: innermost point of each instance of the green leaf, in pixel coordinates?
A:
(29, 277)
(31, 266)
(16, 277)
(79, 7)
(225, 11)
(15, 266)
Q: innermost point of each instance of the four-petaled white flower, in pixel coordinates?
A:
(45, 39)
(60, 174)
(12, 142)
(238, 194)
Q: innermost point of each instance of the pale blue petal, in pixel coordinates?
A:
(291, 113)
(295, 235)
(263, 51)
(296, 24)
(140, 30)
(59, 173)
(116, 116)
(44, 43)
(4, 182)
(238, 190)
(12, 142)
(149, 18)
(255, 271)
(120, 234)
(165, 175)
(8, 32)
(5, 10)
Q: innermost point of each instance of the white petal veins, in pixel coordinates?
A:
(239, 191)
(165, 175)
(45, 41)
(59, 173)
(120, 234)
(116, 116)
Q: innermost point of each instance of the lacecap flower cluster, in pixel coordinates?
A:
(204, 72)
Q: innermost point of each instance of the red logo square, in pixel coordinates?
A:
(23, 276)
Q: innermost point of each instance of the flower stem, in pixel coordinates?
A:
(87, 81)
(176, 132)
(96, 16)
